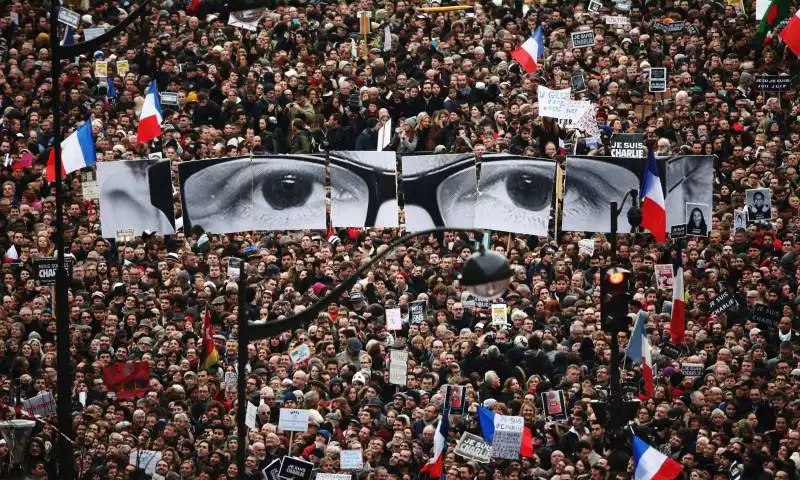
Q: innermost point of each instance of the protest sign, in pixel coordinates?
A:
(398, 367)
(44, 269)
(723, 302)
(767, 315)
(300, 354)
(584, 38)
(552, 103)
(627, 145)
(69, 17)
(693, 370)
(250, 415)
(739, 220)
(90, 189)
(145, 460)
(393, 319)
(234, 267)
(691, 29)
(333, 476)
(416, 311)
(675, 26)
(586, 247)
(123, 67)
(677, 231)
(169, 98)
(664, 275)
(554, 405)
(616, 20)
(230, 380)
(41, 405)
(630, 390)
(247, 19)
(669, 349)
(773, 83)
(499, 313)
(295, 468)
(658, 80)
(351, 460)
(101, 70)
(92, 33)
(272, 471)
(126, 235)
(578, 82)
(293, 420)
(472, 447)
(457, 399)
(507, 436)
(595, 6)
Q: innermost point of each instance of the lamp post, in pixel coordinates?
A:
(634, 219)
(64, 383)
(486, 274)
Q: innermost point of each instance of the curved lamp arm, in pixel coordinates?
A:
(96, 43)
(257, 331)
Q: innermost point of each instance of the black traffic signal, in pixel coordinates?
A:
(614, 298)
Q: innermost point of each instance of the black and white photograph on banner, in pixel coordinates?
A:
(136, 194)
(515, 194)
(739, 220)
(689, 179)
(247, 19)
(439, 191)
(592, 183)
(236, 194)
(364, 189)
(698, 219)
(759, 204)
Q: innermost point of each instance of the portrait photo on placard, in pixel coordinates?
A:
(515, 194)
(135, 194)
(739, 219)
(226, 195)
(592, 183)
(439, 191)
(689, 179)
(759, 204)
(698, 219)
(363, 189)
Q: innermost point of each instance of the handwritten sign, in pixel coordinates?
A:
(552, 103)
(472, 447)
(41, 405)
(398, 367)
(507, 436)
(773, 83)
(393, 319)
(586, 247)
(293, 420)
(300, 354)
(350, 460)
(616, 20)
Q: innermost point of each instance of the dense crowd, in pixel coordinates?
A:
(447, 81)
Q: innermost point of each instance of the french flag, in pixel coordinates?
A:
(435, 466)
(639, 352)
(650, 464)
(77, 151)
(528, 54)
(486, 419)
(677, 323)
(654, 214)
(150, 118)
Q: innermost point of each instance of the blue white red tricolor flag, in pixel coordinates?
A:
(654, 213)
(435, 466)
(150, 118)
(527, 55)
(677, 323)
(650, 464)
(639, 351)
(77, 151)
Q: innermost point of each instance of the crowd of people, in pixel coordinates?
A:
(305, 79)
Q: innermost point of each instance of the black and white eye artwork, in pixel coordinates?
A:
(697, 219)
(759, 204)
(439, 191)
(592, 183)
(228, 195)
(515, 194)
(135, 194)
(364, 189)
(689, 179)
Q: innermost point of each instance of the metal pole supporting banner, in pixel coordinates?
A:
(241, 374)
(615, 410)
(64, 385)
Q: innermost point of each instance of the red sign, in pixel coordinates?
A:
(128, 380)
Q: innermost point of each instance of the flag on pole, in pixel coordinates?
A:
(791, 34)
(77, 151)
(150, 118)
(210, 354)
(677, 324)
(650, 464)
(654, 213)
(639, 352)
(527, 55)
(777, 11)
(191, 6)
(435, 466)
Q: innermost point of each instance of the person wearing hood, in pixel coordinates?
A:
(351, 354)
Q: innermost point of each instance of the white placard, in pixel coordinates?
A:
(14, 17)
(398, 367)
(552, 103)
(91, 190)
(351, 460)
(41, 405)
(664, 275)
(250, 415)
(92, 33)
(333, 476)
(586, 247)
(247, 19)
(69, 17)
(145, 459)
(499, 313)
(618, 20)
(230, 380)
(300, 354)
(126, 235)
(393, 319)
(507, 436)
(293, 420)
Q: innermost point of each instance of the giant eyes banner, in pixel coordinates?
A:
(364, 189)
(135, 194)
(282, 192)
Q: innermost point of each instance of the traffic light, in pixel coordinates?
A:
(614, 298)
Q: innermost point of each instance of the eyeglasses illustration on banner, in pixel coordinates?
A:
(363, 189)
(284, 192)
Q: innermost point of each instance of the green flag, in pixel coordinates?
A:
(778, 11)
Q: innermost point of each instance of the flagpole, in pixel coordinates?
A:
(64, 379)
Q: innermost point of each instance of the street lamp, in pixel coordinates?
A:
(485, 274)
(64, 386)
